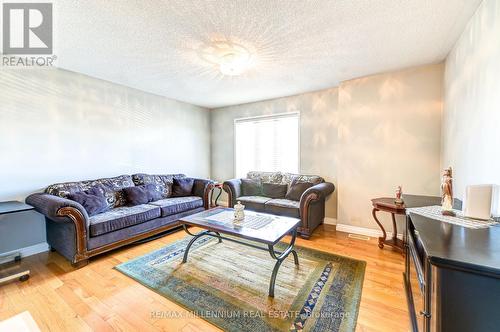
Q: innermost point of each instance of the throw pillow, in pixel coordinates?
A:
(136, 195)
(142, 194)
(297, 189)
(182, 187)
(153, 193)
(92, 200)
(108, 193)
(251, 187)
(273, 190)
(163, 183)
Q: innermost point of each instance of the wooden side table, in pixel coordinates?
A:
(8, 208)
(387, 204)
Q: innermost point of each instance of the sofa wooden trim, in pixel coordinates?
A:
(206, 195)
(304, 229)
(230, 194)
(80, 230)
(82, 255)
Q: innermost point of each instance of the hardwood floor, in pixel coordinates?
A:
(99, 298)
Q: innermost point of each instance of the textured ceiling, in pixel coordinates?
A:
(297, 46)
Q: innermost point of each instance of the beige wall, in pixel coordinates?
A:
(57, 125)
(389, 135)
(367, 136)
(318, 134)
(471, 122)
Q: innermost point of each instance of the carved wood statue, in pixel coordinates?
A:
(447, 192)
(399, 195)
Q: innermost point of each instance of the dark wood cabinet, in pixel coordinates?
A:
(452, 276)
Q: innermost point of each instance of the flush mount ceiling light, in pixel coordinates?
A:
(230, 58)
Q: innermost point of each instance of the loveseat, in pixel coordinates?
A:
(270, 192)
(78, 236)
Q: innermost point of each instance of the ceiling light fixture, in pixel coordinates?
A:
(230, 58)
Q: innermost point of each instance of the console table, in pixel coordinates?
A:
(387, 204)
(452, 276)
(11, 207)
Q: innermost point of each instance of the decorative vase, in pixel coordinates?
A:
(239, 212)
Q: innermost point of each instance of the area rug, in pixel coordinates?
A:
(227, 284)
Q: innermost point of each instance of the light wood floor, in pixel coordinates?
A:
(99, 298)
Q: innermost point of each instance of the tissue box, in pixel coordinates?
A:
(480, 201)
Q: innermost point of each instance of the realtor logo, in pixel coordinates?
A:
(27, 28)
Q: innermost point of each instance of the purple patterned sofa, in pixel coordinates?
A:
(308, 206)
(76, 236)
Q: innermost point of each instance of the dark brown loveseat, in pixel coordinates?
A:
(76, 236)
(309, 207)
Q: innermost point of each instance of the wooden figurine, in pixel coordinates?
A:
(447, 193)
(399, 196)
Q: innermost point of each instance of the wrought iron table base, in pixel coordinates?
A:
(278, 256)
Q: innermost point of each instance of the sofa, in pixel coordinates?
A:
(78, 236)
(309, 207)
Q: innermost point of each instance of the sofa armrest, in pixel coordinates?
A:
(62, 210)
(318, 191)
(57, 208)
(202, 188)
(312, 207)
(233, 189)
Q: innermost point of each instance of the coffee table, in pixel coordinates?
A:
(257, 229)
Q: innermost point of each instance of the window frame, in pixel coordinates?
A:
(267, 116)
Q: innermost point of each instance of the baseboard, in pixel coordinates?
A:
(29, 251)
(363, 231)
(330, 221)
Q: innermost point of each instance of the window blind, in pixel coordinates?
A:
(269, 143)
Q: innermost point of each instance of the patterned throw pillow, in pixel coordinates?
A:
(287, 178)
(108, 193)
(314, 179)
(115, 185)
(265, 177)
(64, 189)
(163, 183)
(112, 188)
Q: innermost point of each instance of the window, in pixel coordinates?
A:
(267, 143)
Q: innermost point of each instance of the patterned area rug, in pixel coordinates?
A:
(227, 284)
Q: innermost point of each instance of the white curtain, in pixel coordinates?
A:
(269, 143)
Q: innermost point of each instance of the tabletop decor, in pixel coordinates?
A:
(447, 192)
(239, 212)
(399, 195)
